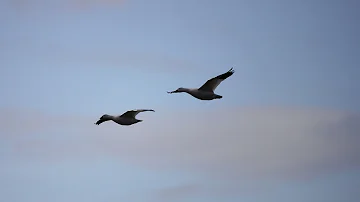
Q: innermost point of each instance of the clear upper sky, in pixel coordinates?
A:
(285, 130)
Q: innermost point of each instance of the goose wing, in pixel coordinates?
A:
(211, 84)
(133, 113)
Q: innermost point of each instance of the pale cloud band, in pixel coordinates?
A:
(230, 143)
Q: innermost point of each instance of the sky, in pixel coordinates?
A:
(286, 129)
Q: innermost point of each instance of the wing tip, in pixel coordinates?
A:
(231, 70)
(144, 110)
(226, 74)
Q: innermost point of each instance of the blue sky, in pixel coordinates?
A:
(285, 129)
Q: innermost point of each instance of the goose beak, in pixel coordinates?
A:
(175, 91)
(99, 122)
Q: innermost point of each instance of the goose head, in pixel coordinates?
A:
(104, 118)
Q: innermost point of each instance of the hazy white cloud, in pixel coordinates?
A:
(230, 143)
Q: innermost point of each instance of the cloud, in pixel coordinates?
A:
(275, 142)
(227, 143)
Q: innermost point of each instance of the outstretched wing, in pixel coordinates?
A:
(211, 84)
(133, 113)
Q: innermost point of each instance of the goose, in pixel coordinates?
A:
(127, 118)
(206, 91)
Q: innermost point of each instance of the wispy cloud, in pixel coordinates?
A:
(230, 143)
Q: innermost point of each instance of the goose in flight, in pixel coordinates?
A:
(206, 91)
(127, 118)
